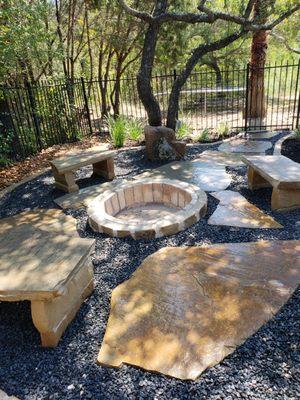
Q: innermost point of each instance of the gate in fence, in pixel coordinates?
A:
(33, 117)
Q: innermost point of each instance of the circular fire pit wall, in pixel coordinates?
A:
(147, 208)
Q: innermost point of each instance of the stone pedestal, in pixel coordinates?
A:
(161, 144)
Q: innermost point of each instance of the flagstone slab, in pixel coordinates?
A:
(209, 177)
(4, 396)
(203, 172)
(262, 135)
(51, 270)
(245, 146)
(235, 210)
(49, 220)
(185, 309)
(214, 157)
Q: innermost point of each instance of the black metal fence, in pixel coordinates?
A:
(34, 117)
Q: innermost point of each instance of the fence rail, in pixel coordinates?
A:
(33, 117)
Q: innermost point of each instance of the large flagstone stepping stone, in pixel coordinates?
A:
(49, 220)
(185, 309)
(207, 174)
(4, 396)
(82, 198)
(235, 210)
(51, 270)
(262, 135)
(209, 177)
(218, 158)
(245, 146)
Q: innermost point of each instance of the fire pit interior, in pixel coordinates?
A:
(147, 208)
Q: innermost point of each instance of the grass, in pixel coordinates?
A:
(204, 136)
(223, 130)
(134, 128)
(117, 130)
(297, 133)
(184, 130)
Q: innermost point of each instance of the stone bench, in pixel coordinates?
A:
(278, 172)
(63, 168)
(52, 271)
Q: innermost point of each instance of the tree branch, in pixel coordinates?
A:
(135, 13)
(209, 16)
(284, 41)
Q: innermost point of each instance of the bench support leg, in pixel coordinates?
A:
(65, 181)
(105, 168)
(255, 181)
(51, 317)
(285, 200)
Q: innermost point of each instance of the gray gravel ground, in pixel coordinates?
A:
(266, 366)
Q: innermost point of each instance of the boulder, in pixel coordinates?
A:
(161, 144)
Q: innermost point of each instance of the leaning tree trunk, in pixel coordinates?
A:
(145, 73)
(199, 52)
(256, 112)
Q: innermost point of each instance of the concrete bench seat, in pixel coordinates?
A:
(51, 270)
(278, 172)
(63, 168)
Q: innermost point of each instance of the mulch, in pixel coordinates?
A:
(38, 162)
(291, 148)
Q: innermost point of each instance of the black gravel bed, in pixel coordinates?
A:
(291, 148)
(266, 366)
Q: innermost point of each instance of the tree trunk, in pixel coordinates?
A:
(256, 97)
(198, 53)
(145, 73)
(115, 95)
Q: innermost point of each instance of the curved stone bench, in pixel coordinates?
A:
(175, 206)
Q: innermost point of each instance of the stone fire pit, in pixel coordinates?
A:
(148, 208)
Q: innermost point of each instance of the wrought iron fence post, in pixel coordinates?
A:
(297, 117)
(175, 77)
(35, 115)
(247, 96)
(86, 105)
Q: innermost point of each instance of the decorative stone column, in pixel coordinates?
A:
(161, 144)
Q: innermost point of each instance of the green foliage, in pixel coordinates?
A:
(24, 36)
(184, 130)
(223, 129)
(117, 130)
(134, 128)
(5, 149)
(297, 132)
(204, 136)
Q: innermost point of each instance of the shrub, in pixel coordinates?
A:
(135, 128)
(117, 130)
(297, 132)
(5, 148)
(204, 136)
(183, 130)
(223, 129)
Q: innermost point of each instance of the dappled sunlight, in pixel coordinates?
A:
(283, 172)
(209, 177)
(186, 308)
(48, 220)
(34, 263)
(235, 210)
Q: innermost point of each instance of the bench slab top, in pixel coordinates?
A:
(35, 265)
(75, 161)
(279, 171)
